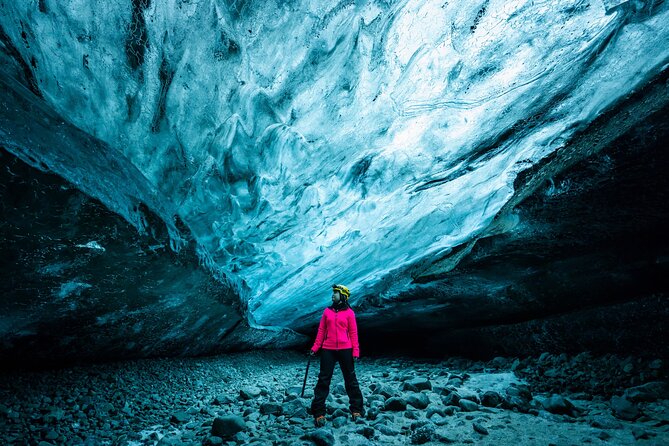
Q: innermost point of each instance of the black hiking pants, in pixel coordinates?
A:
(328, 360)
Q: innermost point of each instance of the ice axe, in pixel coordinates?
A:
(304, 384)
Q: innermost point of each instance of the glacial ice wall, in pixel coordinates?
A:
(306, 143)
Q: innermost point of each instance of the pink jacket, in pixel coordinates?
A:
(337, 330)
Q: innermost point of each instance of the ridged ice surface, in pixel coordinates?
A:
(306, 143)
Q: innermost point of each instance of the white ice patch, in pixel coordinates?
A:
(72, 288)
(92, 245)
(496, 382)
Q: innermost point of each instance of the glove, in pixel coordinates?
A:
(356, 359)
(311, 353)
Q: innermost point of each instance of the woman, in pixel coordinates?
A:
(338, 338)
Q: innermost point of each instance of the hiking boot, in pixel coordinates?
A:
(355, 416)
(320, 421)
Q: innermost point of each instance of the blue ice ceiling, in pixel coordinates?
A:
(306, 143)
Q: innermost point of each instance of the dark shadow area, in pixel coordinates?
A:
(79, 284)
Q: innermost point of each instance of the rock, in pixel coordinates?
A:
(367, 432)
(241, 437)
(372, 413)
(127, 410)
(655, 364)
(581, 396)
(339, 412)
(416, 424)
(321, 437)
(417, 384)
(450, 410)
(227, 426)
(452, 399)
(447, 438)
(557, 404)
(468, 406)
(104, 408)
(434, 410)
(330, 409)
(170, 441)
(651, 391)
(222, 400)
(271, 408)
(480, 429)
(438, 420)
(517, 397)
(444, 390)
(491, 399)
(622, 408)
(419, 401)
(411, 414)
(385, 391)
(372, 398)
(387, 430)
(215, 441)
(604, 422)
(640, 434)
(54, 415)
(395, 404)
(180, 417)
(466, 394)
(552, 372)
(385, 418)
(519, 390)
(295, 408)
(422, 434)
(603, 435)
(516, 403)
(455, 381)
(294, 390)
(249, 392)
(498, 362)
(51, 435)
(581, 357)
(339, 421)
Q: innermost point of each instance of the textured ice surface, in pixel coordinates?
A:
(306, 143)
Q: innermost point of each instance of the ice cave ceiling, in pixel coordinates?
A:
(291, 145)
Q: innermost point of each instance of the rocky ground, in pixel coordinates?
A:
(254, 398)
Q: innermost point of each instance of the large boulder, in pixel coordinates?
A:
(228, 426)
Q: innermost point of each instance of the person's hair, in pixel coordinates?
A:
(342, 302)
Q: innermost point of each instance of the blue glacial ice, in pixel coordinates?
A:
(306, 143)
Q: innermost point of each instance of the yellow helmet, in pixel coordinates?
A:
(342, 290)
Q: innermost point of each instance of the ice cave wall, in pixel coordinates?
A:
(303, 143)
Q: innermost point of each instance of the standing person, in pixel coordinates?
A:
(338, 337)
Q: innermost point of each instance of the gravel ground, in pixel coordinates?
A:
(254, 398)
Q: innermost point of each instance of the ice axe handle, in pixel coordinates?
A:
(304, 384)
